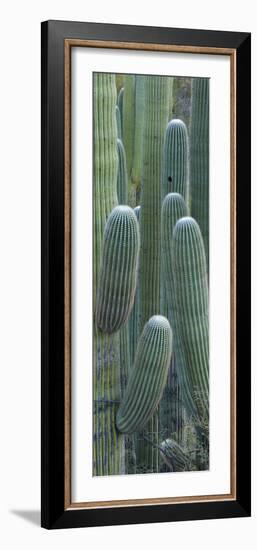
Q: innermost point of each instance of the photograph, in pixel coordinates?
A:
(145, 304)
(150, 405)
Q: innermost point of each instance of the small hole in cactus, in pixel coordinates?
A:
(169, 178)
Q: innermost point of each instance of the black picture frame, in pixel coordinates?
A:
(54, 514)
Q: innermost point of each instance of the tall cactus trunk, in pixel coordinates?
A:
(126, 356)
(199, 158)
(128, 131)
(173, 208)
(156, 119)
(132, 123)
(125, 368)
(108, 443)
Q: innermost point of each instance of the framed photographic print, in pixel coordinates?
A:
(145, 274)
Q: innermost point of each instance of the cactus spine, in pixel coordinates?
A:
(117, 281)
(122, 180)
(191, 314)
(148, 376)
(108, 445)
(199, 158)
(176, 158)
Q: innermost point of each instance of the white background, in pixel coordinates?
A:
(20, 274)
(217, 480)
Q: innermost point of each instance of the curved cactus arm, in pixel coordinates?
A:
(117, 281)
(122, 179)
(191, 323)
(199, 157)
(176, 159)
(174, 456)
(148, 376)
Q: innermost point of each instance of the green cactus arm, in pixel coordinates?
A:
(174, 456)
(199, 157)
(147, 377)
(122, 179)
(176, 159)
(191, 323)
(117, 282)
(108, 444)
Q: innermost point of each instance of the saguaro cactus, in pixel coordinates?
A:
(155, 123)
(128, 128)
(122, 180)
(108, 445)
(173, 208)
(136, 168)
(171, 411)
(176, 158)
(148, 376)
(199, 157)
(117, 281)
(174, 456)
(191, 323)
(133, 120)
(156, 118)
